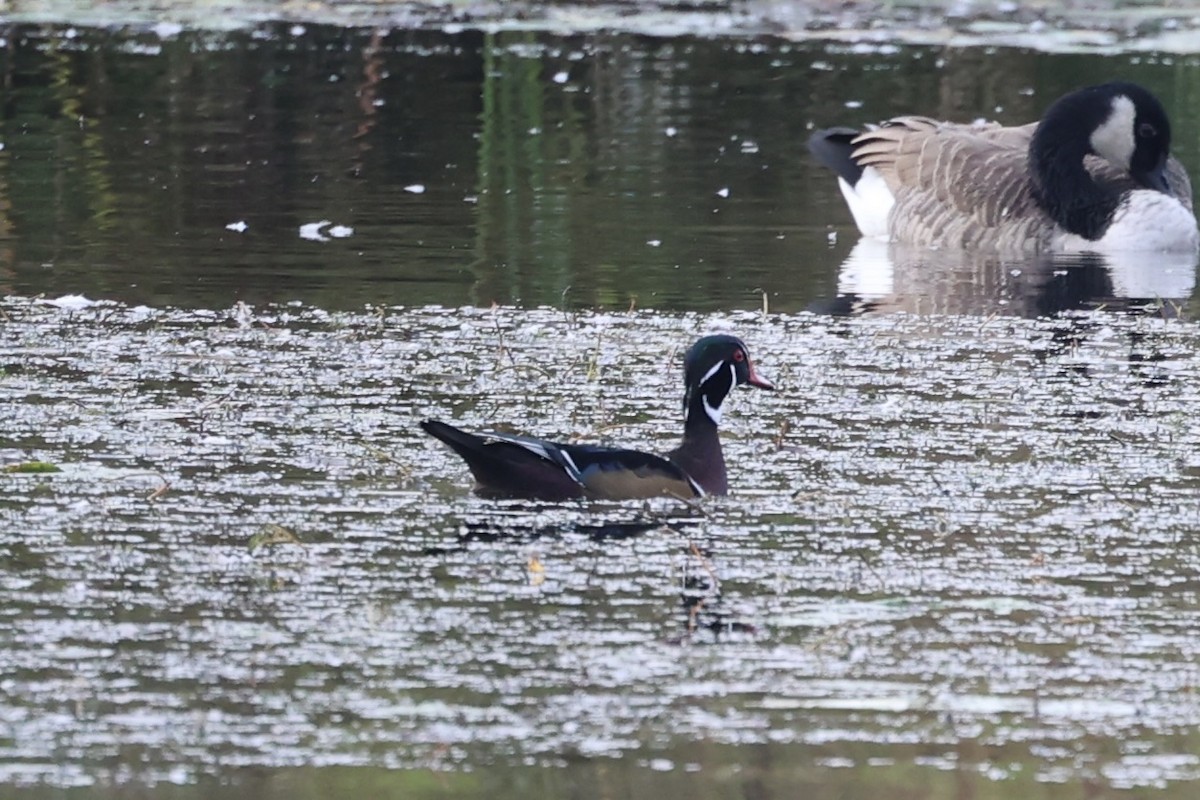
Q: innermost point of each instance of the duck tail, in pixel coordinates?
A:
(457, 440)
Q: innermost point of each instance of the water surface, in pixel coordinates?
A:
(341, 166)
(958, 557)
(956, 544)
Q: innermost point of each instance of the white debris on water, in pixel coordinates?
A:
(167, 29)
(71, 302)
(324, 230)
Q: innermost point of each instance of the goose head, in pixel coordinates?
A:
(1120, 122)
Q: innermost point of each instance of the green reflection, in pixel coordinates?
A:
(515, 167)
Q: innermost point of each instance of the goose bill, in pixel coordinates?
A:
(1155, 178)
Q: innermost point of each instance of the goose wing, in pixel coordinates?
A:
(1181, 183)
(953, 184)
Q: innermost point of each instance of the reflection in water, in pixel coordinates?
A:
(883, 277)
(704, 614)
(524, 168)
(520, 529)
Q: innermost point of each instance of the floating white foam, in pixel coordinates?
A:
(312, 231)
(71, 302)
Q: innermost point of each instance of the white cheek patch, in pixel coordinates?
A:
(1113, 140)
(714, 412)
(715, 369)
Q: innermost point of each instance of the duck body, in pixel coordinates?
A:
(506, 465)
(1095, 174)
(520, 466)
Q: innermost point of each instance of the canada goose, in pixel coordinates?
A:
(1094, 174)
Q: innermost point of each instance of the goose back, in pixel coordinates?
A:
(972, 186)
(956, 185)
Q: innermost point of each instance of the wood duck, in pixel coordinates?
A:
(519, 466)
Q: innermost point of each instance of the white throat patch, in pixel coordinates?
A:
(1113, 140)
(714, 412)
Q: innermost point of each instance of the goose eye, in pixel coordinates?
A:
(1147, 131)
(739, 355)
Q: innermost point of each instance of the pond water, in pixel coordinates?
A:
(339, 167)
(958, 560)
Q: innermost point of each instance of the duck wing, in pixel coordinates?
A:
(509, 465)
(618, 474)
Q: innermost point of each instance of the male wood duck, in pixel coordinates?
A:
(518, 466)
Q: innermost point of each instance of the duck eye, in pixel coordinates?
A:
(1147, 131)
(739, 355)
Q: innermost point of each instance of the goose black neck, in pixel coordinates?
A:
(1063, 187)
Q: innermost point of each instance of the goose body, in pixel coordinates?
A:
(506, 465)
(1095, 174)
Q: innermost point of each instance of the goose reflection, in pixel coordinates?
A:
(884, 277)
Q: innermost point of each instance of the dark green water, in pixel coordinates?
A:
(579, 172)
(958, 561)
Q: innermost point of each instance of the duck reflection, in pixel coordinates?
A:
(703, 615)
(516, 529)
(883, 277)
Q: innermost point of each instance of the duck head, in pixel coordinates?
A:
(713, 367)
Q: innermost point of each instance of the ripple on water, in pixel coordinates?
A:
(943, 528)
